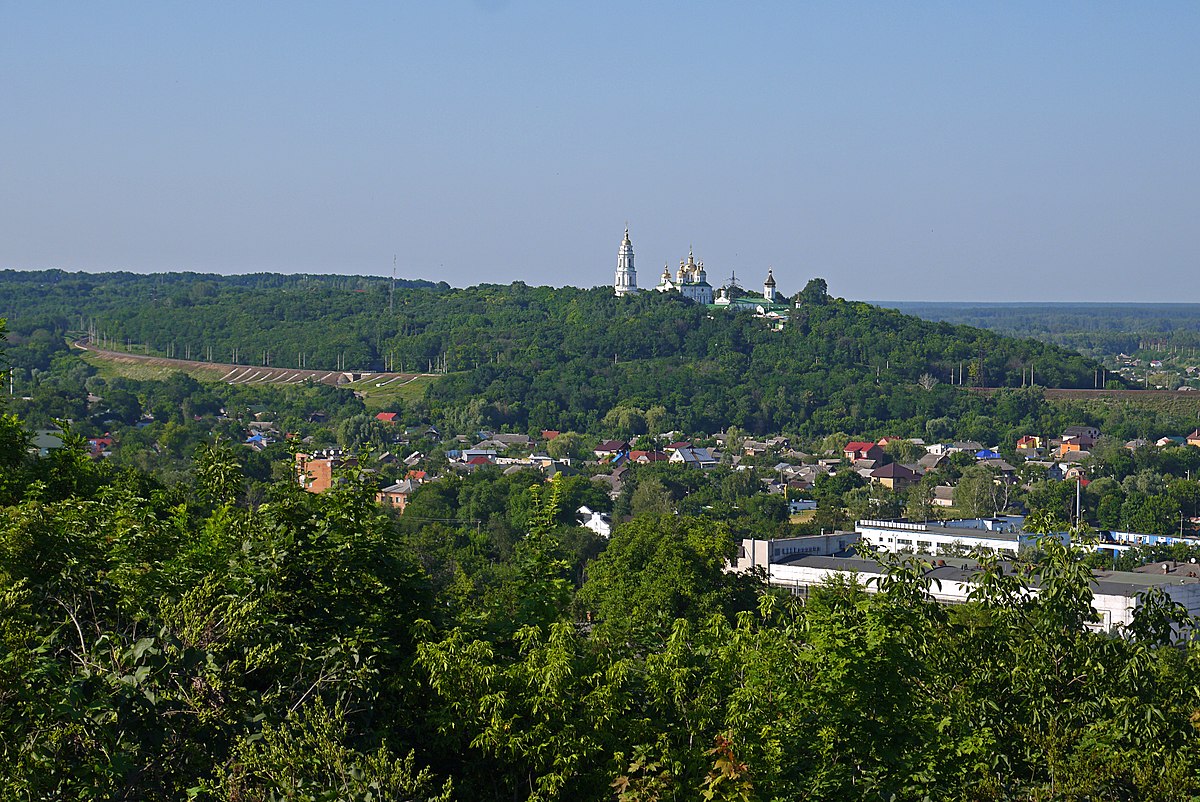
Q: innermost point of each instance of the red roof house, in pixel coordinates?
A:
(861, 449)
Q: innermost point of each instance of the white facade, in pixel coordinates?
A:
(997, 534)
(1114, 594)
(691, 281)
(769, 286)
(626, 281)
(767, 554)
(598, 522)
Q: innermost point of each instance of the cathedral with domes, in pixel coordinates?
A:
(691, 281)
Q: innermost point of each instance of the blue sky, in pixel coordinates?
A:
(962, 151)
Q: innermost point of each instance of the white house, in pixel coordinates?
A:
(598, 522)
(694, 457)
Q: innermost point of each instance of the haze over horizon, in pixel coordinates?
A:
(939, 152)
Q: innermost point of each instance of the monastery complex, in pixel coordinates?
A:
(691, 281)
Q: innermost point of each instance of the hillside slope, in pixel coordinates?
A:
(531, 357)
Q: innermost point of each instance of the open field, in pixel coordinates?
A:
(378, 389)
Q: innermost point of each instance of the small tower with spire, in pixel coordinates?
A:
(769, 286)
(626, 281)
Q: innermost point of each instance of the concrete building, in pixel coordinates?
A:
(1115, 593)
(765, 554)
(315, 471)
(397, 495)
(1002, 535)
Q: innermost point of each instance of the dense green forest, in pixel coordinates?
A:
(527, 358)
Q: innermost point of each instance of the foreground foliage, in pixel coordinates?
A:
(164, 643)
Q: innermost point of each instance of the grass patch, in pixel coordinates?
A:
(108, 368)
(405, 391)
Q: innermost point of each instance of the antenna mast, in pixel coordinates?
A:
(392, 293)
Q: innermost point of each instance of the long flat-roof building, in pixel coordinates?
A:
(1005, 534)
(1115, 593)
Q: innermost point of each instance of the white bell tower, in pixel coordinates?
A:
(626, 281)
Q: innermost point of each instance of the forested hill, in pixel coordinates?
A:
(538, 357)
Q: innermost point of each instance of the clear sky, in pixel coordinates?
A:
(957, 150)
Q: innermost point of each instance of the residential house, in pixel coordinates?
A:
(397, 495)
(894, 476)
(645, 457)
(860, 449)
(1090, 432)
(695, 458)
(1193, 439)
(257, 441)
(598, 522)
(612, 485)
(1075, 457)
(315, 471)
(943, 496)
(1073, 443)
(866, 464)
(1006, 472)
(611, 448)
(513, 440)
(1029, 441)
(99, 447)
(931, 462)
(387, 417)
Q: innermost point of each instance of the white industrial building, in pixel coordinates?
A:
(1115, 593)
(1004, 534)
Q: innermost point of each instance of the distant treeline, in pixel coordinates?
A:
(1094, 329)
